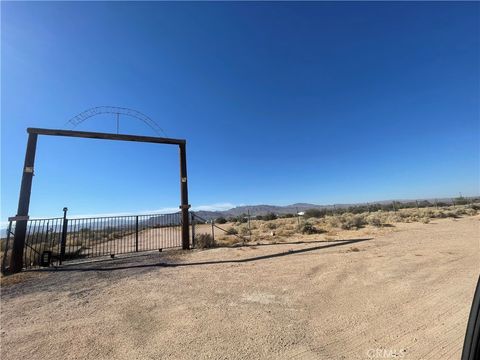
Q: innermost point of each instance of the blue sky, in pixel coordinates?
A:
(279, 102)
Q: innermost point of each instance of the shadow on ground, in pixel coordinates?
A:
(110, 265)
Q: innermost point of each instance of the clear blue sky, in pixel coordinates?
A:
(279, 102)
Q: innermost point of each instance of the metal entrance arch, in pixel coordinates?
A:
(16, 260)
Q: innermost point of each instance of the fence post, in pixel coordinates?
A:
(64, 235)
(136, 233)
(213, 231)
(193, 229)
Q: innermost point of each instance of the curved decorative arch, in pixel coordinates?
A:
(78, 119)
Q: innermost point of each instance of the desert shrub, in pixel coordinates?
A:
(270, 216)
(244, 230)
(470, 212)
(461, 201)
(428, 213)
(333, 221)
(204, 241)
(270, 225)
(451, 214)
(375, 219)
(307, 228)
(220, 220)
(403, 215)
(464, 211)
(350, 221)
(475, 206)
(287, 216)
(231, 231)
(412, 218)
(314, 213)
(238, 219)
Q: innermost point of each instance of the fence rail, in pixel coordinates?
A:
(57, 240)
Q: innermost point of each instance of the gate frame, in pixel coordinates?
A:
(16, 260)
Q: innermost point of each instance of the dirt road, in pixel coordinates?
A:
(402, 294)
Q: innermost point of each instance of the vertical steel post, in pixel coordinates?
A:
(136, 233)
(16, 262)
(64, 235)
(184, 197)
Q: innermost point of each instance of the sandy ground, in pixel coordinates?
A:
(402, 294)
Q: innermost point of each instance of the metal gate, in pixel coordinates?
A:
(54, 241)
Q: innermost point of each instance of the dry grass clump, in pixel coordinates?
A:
(269, 225)
(377, 219)
(352, 222)
(244, 230)
(333, 221)
(231, 231)
(204, 241)
(308, 228)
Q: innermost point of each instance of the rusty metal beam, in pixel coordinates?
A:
(106, 136)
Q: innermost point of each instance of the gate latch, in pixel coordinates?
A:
(46, 258)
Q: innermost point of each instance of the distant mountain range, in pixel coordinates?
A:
(255, 210)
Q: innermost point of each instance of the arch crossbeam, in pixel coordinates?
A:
(87, 114)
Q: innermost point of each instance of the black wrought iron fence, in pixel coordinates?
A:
(54, 241)
(43, 237)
